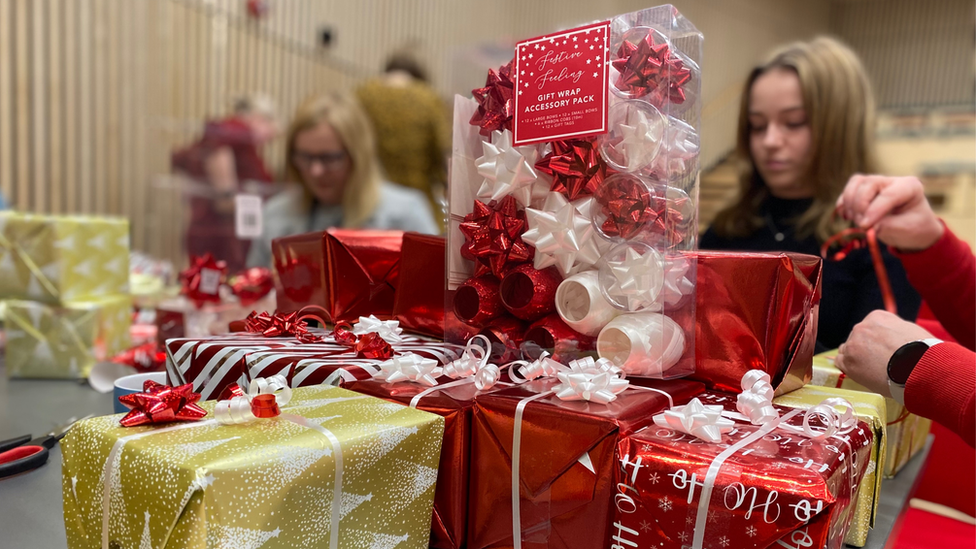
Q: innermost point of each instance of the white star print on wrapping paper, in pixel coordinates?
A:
(664, 504)
(146, 541)
(636, 279)
(640, 141)
(563, 234)
(751, 531)
(373, 540)
(510, 170)
(723, 541)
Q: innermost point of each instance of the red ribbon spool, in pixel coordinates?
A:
(478, 300)
(265, 406)
(529, 293)
(552, 335)
(505, 334)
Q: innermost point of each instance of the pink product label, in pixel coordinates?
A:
(561, 85)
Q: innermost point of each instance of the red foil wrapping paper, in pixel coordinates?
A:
(505, 335)
(348, 272)
(783, 489)
(756, 311)
(529, 293)
(419, 304)
(478, 300)
(552, 335)
(566, 462)
(455, 405)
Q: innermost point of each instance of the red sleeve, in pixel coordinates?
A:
(945, 275)
(942, 387)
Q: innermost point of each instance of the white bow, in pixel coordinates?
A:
(389, 330)
(409, 367)
(593, 384)
(756, 400)
(696, 419)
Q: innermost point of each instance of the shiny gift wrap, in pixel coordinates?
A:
(60, 259)
(870, 410)
(756, 311)
(566, 455)
(760, 487)
(350, 273)
(906, 431)
(269, 483)
(46, 341)
(419, 304)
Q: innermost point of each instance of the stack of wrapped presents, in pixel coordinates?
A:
(563, 370)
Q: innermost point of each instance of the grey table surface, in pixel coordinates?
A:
(30, 503)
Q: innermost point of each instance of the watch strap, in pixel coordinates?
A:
(896, 388)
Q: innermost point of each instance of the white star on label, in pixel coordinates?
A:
(562, 235)
(507, 170)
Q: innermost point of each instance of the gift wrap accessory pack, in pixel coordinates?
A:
(906, 431)
(64, 341)
(61, 259)
(336, 469)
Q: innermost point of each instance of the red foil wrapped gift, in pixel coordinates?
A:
(350, 273)
(419, 304)
(566, 457)
(455, 405)
(756, 311)
(775, 489)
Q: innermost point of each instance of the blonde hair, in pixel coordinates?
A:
(343, 114)
(840, 110)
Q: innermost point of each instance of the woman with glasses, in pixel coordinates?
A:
(332, 153)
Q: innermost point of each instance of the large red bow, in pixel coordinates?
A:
(202, 279)
(493, 237)
(277, 325)
(161, 404)
(576, 167)
(644, 65)
(495, 103)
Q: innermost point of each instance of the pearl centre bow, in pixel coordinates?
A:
(507, 170)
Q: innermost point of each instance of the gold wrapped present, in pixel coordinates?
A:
(906, 431)
(61, 259)
(50, 341)
(335, 469)
(870, 408)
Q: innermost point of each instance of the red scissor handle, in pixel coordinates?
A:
(22, 458)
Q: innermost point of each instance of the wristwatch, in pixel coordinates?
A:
(902, 362)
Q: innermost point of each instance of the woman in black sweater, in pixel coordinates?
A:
(806, 126)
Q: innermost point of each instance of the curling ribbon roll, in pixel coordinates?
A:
(642, 344)
(505, 335)
(478, 300)
(756, 399)
(552, 335)
(529, 293)
(581, 305)
(263, 398)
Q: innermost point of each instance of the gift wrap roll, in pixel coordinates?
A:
(64, 342)
(270, 483)
(869, 408)
(642, 344)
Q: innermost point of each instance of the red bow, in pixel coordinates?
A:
(495, 103)
(161, 404)
(148, 357)
(278, 325)
(576, 167)
(252, 284)
(644, 66)
(493, 237)
(201, 281)
(369, 345)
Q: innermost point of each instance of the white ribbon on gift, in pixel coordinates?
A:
(238, 408)
(389, 330)
(409, 367)
(523, 371)
(473, 358)
(756, 399)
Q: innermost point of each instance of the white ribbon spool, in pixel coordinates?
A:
(581, 304)
(642, 344)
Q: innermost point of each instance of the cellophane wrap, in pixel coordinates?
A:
(64, 341)
(765, 490)
(566, 459)
(906, 431)
(756, 311)
(871, 410)
(269, 483)
(349, 273)
(596, 229)
(62, 259)
(214, 364)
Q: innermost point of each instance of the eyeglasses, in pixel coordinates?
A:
(328, 161)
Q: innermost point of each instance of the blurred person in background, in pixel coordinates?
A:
(806, 125)
(932, 378)
(221, 161)
(331, 152)
(411, 128)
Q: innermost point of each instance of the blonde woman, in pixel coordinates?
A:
(806, 125)
(331, 152)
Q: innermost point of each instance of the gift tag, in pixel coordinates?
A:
(561, 83)
(248, 222)
(209, 281)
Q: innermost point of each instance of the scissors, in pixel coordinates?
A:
(24, 453)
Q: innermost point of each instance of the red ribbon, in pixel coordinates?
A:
(201, 281)
(645, 66)
(493, 237)
(278, 325)
(148, 357)
(252, 284)
(369, 345)
(576, 167)
(495, 102)
(854, 239)
(161, 404)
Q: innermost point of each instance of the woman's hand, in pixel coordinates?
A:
(864, 356)
(895, 206)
